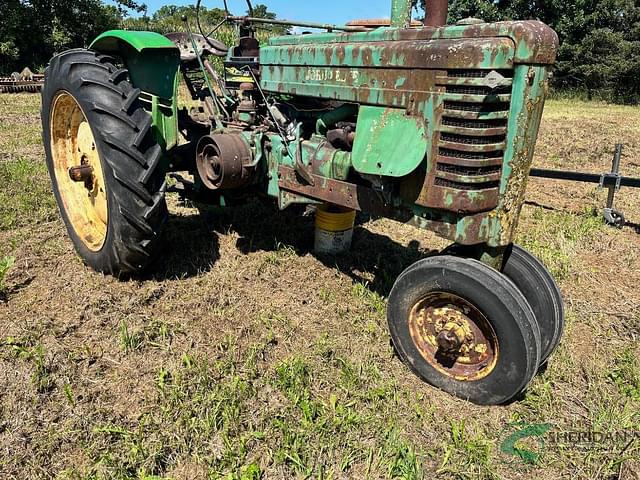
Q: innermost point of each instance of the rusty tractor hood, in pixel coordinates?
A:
(533, 41)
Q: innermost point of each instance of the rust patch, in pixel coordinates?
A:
(344, 194)
(453, 336)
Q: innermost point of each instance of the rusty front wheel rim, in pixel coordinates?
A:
(454, 336)
(78, 171)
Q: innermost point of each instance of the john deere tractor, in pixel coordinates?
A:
(427, 124)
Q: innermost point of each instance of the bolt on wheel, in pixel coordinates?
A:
(465, 328)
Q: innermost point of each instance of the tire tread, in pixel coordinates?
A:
(131, 157)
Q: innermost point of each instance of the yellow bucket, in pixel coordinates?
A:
(334, 229)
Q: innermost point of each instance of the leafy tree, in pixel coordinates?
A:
(169, 18)
(262, 11)
(599, 40)
(486, 10)
(31, 32)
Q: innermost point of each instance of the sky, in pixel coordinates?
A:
(324, 11)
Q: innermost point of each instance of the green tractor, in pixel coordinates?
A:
(430, 125)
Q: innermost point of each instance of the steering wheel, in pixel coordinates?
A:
(216, 44)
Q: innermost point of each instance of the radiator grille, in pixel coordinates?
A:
(462, 170)
(477, 73)
(472, 138)
(492, 157)
(465, 186)
(479, 107)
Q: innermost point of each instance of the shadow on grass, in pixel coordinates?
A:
(189, 248)
(192, 245)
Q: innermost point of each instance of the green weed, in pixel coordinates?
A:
(626, 374)
(41, 378)
(129, 341)
(159, 334)
(401, 458)
(371, 299)
(5, 265)
(28, 349)
(68, 393)
(277, 257)
(466, 455)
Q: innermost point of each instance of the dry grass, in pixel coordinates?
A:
(242, 356)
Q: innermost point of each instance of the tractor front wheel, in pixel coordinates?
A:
(103, 161)
(541, 291)
(537, 285)
(465, 328)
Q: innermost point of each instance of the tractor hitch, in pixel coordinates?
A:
(612, 181)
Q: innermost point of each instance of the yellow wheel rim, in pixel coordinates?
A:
(78, 171)
(453, 336)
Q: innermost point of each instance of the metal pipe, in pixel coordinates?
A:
(289, 23)
(332, 117)
(401, 13)
(436, 14)
(615, 169)
(606, 180)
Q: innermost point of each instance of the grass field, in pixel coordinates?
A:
(241, 356)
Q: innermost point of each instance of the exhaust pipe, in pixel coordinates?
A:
(401, 13)
(437, 11)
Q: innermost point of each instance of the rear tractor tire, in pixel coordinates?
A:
(103, 161)
(464, 328)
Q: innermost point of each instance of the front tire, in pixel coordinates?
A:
(541, 291)
(103, 161)
(537, 285)
(464, 328)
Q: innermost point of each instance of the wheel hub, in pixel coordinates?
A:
(84, 174)
(453, 336)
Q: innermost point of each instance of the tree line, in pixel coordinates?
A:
(599, 40)
(32, 31)
(599, 53)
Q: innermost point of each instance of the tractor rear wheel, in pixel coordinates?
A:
(103, 161)
(464, 328)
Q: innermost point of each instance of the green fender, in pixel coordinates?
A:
(153, 62)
